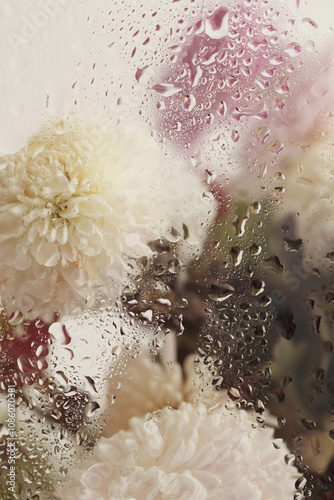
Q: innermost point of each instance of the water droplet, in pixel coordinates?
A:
(275, 147)
(316, 321)
(279, 177)
(259, 406)
(159, 246)
(60, 127)
(146, 315)
(209, 118)
(276, 60)
(222, 110)
(233, 393)
(235, 136)
(236, 254)
(310, 21)
(255, 249)
(174, 266)
(278, 191)
(289, 459)
(216, 25)
(60, 333)
(42, 364)
(293, 49)
(35, 148)
(90, 384)
(257, 44)
(91, 408)
(260, 111)
(25, 364)
(116, 350)
(27, 477)
(255, 207)
(189, 102)
(262, 134)
(166, 89)
(81, 436)
(308, 424)
(15, 318)
(262, 171)
(282, 85)
(242, 213)
(219, 293)
(293, 245)
(140, 73)
(90, 301)
(257, 287)
(264, 301)
(274, 264)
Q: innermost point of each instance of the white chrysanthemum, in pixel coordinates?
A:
(149, 386)
(189, 453)
(80, 197)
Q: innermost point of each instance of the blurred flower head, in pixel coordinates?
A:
(78, 200)
(191, 453)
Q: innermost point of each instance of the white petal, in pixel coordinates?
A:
(40, 288)
(59, 183)
(47, 254)
(10, 225)
(22, 262)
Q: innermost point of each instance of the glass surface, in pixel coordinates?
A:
(166, 249)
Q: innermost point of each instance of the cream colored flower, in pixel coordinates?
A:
(77, 201)
(308, 200)
(147, 387)
(189, 453)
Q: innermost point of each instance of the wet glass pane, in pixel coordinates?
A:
(166, 250)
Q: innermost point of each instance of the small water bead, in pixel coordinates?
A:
(16, 318)
(24, 364)
(279, 177)
(293, 245)
(60, 333)
(278, 192)
(282, 85)
(174, 266)
(216, 25)
(42, 364)
(255, 249)
(257, 286)
(236, 254)
(91, 408)
(166, 89)
(255, 207)
(293, 49)
(235, 136)
(222, 110)
(35, 148)
(60, 127)
(189, 102)
(220, 293)
(274, 264)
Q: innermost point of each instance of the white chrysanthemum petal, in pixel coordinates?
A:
(92, 195)
(188, 453)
